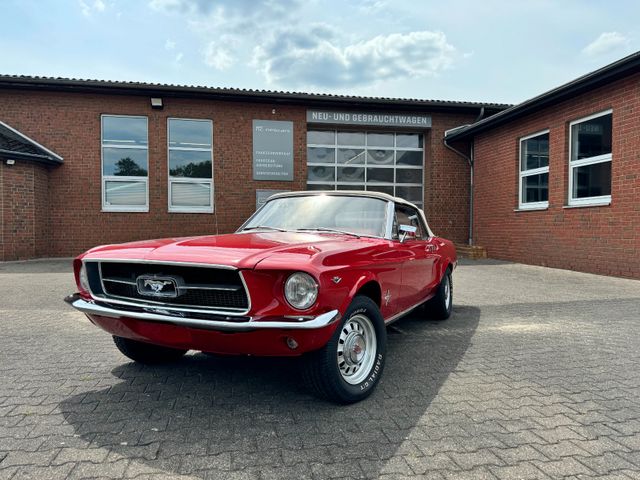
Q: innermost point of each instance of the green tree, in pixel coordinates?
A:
(126, 167)
(192, 170)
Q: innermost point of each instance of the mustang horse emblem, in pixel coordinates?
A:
(156, 285)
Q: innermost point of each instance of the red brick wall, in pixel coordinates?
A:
(446, 182)
(71, 219)
(24, 226)
(604, 239)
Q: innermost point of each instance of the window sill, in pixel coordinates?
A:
(124, 210)
(191, 211)
(587, 205)
(531, 209)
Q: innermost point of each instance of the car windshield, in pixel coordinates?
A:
(347, 214)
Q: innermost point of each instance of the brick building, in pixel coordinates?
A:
(557, 178)
(552, 181)
(92, 162)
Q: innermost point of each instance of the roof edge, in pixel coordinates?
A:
(52, 156)
(617, 70)
(232, 94)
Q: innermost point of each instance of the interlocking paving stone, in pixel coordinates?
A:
(48, 472)
(607, 462)
(520, 471)
(423, 465)
(563, 468)
(534, 376)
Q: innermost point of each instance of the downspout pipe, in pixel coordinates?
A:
(469, 159)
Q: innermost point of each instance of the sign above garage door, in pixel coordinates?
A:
(378, 119)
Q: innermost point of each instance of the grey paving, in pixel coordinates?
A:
(535, 376)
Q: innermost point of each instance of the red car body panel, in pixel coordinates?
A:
(403, 275)
(257, 342)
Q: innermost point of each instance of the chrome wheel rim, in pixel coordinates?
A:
(356, 349)
(447, 292)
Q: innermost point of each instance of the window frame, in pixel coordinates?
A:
(115, 178)
(395, 233)
(522, 174)
(366, 186)
(171, 180)
(608, 157)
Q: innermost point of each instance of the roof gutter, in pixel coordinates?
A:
(10, 154)
(469, 159)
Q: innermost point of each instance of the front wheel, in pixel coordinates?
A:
(349, 366)
(440, 306)
(142, 352)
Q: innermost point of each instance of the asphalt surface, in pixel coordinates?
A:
(536, 375)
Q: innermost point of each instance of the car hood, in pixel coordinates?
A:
(240, 250)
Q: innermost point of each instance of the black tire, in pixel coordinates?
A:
(321, 369)
(147, 353)
(439, 307)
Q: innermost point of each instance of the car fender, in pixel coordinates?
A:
(362, 279)
(447, 258)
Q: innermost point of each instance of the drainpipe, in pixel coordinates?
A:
(469, 159)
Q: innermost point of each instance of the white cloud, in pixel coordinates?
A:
(218, 56)
(372, 6)
(169, 45)
(226, 8)
(318, 58)
(607, 42)
(87, 8)
(230, 23)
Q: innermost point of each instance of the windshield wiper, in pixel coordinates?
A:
(265, 227)
(325, 229)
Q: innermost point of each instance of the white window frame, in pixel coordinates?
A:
(203, 181)
(123, 179)
(395, 148)
(522, 205)
(608, 157)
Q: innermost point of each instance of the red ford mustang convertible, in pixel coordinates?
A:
(314, 274)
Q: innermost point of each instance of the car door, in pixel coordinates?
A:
(417, 269)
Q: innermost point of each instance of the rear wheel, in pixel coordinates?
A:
(349, 366)
(142, 352)
(440, 306)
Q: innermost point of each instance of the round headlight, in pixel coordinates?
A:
(84, 279)
(301, 290)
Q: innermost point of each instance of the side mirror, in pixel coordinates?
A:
(407, 231)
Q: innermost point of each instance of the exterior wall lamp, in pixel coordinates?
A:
(156, 103)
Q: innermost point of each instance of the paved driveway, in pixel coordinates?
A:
(536, 374)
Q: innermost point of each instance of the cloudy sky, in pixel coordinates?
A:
(493, 51)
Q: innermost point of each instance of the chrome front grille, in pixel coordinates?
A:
(201, 287)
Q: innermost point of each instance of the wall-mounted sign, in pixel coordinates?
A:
(382, 119)
(272, 150)
(263, 195)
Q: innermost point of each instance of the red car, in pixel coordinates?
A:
(312, 274)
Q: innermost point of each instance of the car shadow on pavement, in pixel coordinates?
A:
(207, 415)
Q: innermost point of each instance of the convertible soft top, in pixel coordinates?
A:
(355, 193)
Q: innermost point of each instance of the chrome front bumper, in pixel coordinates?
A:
(159, 314)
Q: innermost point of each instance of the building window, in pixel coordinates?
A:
(590, 160)
(125, 164)
(377, 161)
(190, 165)
(534, 171)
